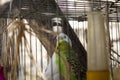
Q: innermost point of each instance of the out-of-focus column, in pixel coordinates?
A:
(97, 52)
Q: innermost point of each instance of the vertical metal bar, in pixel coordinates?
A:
(13, 48)
(84, 35)
(30, 53)
(24, 51)
(117, 26)
(7, 77)
(7, 74)
(21, 61)
(6, 39)
(51, 68)
(111, 37)
(36, 54)
(115, 41)
(118, 40)
(18, 63)
(41, 50)
(110, 29)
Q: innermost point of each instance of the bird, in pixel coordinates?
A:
(52, 71)
(63, 57)
(64, 63)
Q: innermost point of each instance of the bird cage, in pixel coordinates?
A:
(30, 42)
(31, 32)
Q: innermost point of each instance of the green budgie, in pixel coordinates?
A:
(64, 64)
(66, 59)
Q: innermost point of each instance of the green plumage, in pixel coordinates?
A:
(63, 52)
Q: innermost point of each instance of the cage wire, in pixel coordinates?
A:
(114, 39)
(29, 47)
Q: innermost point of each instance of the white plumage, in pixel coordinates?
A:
(52, 72)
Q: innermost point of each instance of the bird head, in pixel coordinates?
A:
(63, 37)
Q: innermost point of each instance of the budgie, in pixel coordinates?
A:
(52, 71)
(64, 62)
(63, 56)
